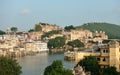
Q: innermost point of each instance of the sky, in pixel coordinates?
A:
(24, 14)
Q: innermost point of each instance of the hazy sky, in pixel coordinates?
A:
(25, 13)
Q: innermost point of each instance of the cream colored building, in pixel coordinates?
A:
(56, 35)
(30, 46)
(109, 55)
(49, 27)
(80, 34)
(41, 46)
(85, 35)
(35, 35)
(98, 36)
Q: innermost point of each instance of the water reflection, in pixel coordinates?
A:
(35, 65)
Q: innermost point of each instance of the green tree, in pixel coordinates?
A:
(9, 66)
(14, 29)
(110, 71)
(90, 63)
(38, 28)
(57, 42)
(56, 68)
(50, 33)
(2, 32)
(75, 43)
(31, 30)
(68, 28)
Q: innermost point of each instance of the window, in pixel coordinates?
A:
(104, 59)
(98, 59)
(107, 51)
(104, 51)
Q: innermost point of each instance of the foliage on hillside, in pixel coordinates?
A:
(57, 42)
(38, 28)
(75, 43)
(68, 28)
(50, 33)
(31, 30)
(112, 30)
(14, 29)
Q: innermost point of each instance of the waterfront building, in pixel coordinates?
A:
(9, 46)
(109, 55)
(30, 46)
(41, 46)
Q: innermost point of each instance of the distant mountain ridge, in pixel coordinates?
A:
(112, 30)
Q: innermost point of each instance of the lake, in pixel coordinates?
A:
(35, 65)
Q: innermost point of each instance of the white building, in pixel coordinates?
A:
(41, 46)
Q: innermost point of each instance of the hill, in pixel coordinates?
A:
(112, 30)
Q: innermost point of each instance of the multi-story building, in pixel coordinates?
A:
(30, 46)
(35, 35)
(109, 55)
(48, 27)
(80, 34)
(99, 36)
(85, 35)
(56, 35)
(41, 46)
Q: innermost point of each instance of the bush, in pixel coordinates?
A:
(9, 66)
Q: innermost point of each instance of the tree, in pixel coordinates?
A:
(56, 68)
(14, 29)
(68, 28)
(75, 43)
(110, 71)
(9, 66)
(90, 64)
(2, 32)
(31, 30)
(38, 28)
(50, 33)
(57, 42)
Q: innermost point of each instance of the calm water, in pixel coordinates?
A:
(35, 65)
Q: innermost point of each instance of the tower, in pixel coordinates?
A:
(8, 31)
(114, 54)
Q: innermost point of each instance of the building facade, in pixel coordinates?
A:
(109, 55)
